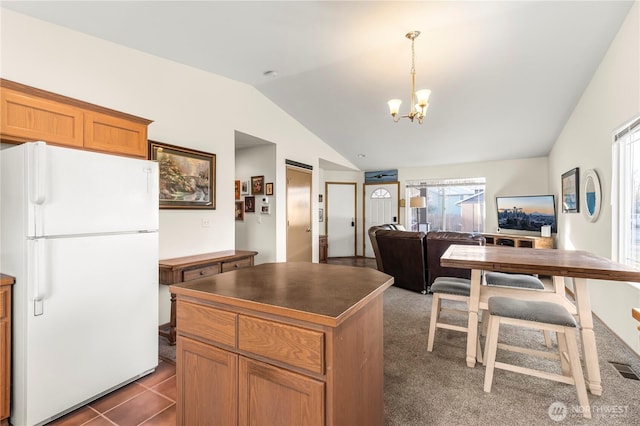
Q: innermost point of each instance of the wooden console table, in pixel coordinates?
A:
(296, 344)
(187, 268)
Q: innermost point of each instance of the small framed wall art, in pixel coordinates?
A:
(237, 188)
(570, 191)
(239, 210)
(250, 204)
(244, 187)
(268, 188)
(257, 185)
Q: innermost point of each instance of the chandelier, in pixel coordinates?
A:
(419, 99)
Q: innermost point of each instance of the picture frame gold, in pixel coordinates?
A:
(187, 177)
(268, 188)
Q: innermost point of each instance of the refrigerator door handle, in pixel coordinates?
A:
(37, 164)
(38, 273)
(149, 173)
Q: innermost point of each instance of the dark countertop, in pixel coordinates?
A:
(319, 293)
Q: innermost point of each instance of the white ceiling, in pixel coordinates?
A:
(504, 75)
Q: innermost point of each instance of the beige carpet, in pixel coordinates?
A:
(437, 388)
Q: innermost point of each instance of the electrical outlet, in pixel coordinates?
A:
(205, 222)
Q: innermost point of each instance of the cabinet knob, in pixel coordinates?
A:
(201, 272)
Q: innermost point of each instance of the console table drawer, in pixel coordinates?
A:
(209, 323)
(238, 264)
(294, 346)
(206, 271)
(4, 301)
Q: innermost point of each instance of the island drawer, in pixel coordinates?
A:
(292, 345)
(238, 264)
(206, 271)
(208, 323)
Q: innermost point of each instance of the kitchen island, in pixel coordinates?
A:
(281, 343)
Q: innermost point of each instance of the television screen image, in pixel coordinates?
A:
(527, 213)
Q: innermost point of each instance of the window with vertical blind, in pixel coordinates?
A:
(626, 194)
(451, 205)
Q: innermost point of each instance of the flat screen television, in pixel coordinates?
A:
(526, 213)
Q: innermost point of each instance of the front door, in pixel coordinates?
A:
(380, 207)
(298, 215)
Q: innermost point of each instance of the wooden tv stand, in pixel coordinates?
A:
(519, 241)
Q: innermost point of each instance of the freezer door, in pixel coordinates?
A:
(98, 323)
(74, 192)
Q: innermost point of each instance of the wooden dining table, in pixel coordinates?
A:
(558, 264)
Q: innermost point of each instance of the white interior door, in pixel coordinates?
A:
(380, 207)
(341, 218)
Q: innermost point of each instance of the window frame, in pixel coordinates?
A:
(418, 187)
(622, 190)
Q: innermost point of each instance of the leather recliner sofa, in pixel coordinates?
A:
(413, 258)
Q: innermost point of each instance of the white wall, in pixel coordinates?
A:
(612, 98)
(508, 177)
(190, 108)
(258, 231)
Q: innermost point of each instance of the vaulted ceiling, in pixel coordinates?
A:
(504, 75)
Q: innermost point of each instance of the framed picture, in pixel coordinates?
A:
(268, 188)
(250, 204)
(265, 209)
(321, 215)
(244, 187)
(237, 187)
(239, 210)
(570, 192)
(257, 185)
(187, 177)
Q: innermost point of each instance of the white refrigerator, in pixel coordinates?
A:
(79, 234)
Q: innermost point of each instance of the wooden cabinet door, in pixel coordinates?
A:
(269, 395)
(114, 135)
(5, 351)
(26, 118)
(207, 385)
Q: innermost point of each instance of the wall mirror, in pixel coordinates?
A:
(592, 195)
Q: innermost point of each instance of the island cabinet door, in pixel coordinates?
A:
(270, 395)
(207, 385)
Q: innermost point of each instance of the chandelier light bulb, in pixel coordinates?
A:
(394, 106)
(423, 96)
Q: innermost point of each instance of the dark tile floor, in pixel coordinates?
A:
(148, 401)
(151, 401)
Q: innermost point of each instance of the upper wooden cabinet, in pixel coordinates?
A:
(30, 114)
